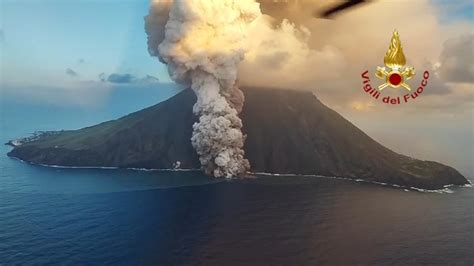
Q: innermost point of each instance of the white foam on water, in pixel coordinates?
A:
(109, 167)
(469, 185)
(441, 191)
(445, 190)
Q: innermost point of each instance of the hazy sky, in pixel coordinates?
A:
(41, 39)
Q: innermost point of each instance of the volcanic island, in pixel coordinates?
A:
(287, 132)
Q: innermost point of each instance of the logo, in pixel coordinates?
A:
(395, 75)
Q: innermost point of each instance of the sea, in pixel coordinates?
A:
(61, 216)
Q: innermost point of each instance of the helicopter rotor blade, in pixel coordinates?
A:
(334, 10)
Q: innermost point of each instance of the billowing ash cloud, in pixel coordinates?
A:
(155, 24)
(294, 10)
(203, 43)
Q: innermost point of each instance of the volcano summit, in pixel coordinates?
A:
(288, 132)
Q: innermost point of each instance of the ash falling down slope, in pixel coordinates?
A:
(287, 132)
(202, 44)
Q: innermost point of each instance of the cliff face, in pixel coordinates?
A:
(287, 132)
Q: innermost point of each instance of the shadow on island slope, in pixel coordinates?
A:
(287, 132)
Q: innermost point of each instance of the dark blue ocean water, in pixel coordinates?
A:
(125, 217)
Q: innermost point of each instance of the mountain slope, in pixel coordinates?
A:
(287, 132)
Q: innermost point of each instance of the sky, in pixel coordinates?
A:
(78, 51)
(42, 39)
(46, 41)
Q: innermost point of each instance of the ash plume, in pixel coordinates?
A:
(202, 43)
(288, 48)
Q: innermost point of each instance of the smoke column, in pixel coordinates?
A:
(202, 44)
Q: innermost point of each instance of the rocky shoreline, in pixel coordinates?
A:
(288, 132)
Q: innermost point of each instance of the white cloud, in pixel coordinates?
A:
(457, 59)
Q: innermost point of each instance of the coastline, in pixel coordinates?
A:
(445, 190)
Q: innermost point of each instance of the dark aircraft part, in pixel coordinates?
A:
(332, 11)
